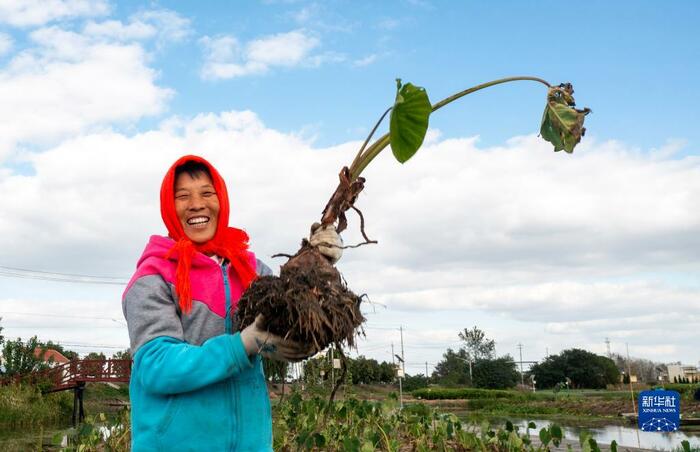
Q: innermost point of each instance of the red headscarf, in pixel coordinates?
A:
(230, 243)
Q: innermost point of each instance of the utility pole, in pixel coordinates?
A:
(403, 358)
(629, 373)
(522, 379)
(471, 381)
(332, 370)
(629, 376)
(396, 369)
(426, 371)
(607, 346)
(403, 368)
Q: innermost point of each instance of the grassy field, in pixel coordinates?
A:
(25, 406)
(593, 404)
(299, 421)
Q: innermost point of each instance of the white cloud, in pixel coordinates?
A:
(366, 61)
(118, 30)
(167, 25)
(25, 13)
(307, 13)
(225, 57)
(318, 16)
(389, 24)
(283, 49)
(68, 83)
(5, 43)
(552, 301)
(171, 26)
(567, 249)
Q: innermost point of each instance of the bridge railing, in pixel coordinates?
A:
(91, 370)
(73, 373)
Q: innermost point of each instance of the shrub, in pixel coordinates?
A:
(463, 393)
(24, 405)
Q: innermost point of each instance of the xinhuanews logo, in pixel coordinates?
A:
(659, 411)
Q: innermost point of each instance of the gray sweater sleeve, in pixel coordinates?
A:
(151, 312)
(262, 269)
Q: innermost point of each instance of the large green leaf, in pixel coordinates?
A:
(409, 120)
(562, 124)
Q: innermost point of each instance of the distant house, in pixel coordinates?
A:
(678, 372)
(50, 356)
(633, 378)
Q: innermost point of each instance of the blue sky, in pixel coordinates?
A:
(628, 62)
(485, 226)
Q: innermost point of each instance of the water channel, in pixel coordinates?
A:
(604, 432)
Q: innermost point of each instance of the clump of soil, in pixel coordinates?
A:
(309, 302)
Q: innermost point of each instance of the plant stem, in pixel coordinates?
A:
(363, 159)
(369, 137)
(454, 97)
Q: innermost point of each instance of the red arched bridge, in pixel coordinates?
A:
(77, 373)
(74, 375)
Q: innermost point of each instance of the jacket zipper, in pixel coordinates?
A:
(227, 294)
(230, 389)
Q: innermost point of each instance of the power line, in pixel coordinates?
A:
(444, 345)
(68, 344)
(67, 327)
(63, 316)
(77, 275)
(25, 273)
(379, 328)
(85, 345)
(8, 274)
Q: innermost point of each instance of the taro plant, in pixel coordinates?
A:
(309, 302)
(355, 425)
(97, 433)
(360, 425)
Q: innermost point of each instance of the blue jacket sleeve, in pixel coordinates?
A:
(166, 365)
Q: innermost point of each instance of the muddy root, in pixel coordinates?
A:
(309, 302)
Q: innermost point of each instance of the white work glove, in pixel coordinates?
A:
(257, 340)
(327, 241)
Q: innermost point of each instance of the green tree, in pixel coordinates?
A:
(2, 339)
(19, 357)
(477, 345)
(364, 370)
(124, 354)
(413, 382)
(585, 369)
(97, 356)
(453, 369)
(611, 374)
(497, 373)
(70, 354)
(275, 371)
(387, 372)
(313, 370)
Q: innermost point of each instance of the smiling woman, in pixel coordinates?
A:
(197, 381)
(196, 202)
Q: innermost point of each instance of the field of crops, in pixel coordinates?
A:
(357, 426)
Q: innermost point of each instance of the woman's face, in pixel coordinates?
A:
(197, 206)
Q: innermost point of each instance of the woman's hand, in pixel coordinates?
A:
(257, 340)
(328, 241)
